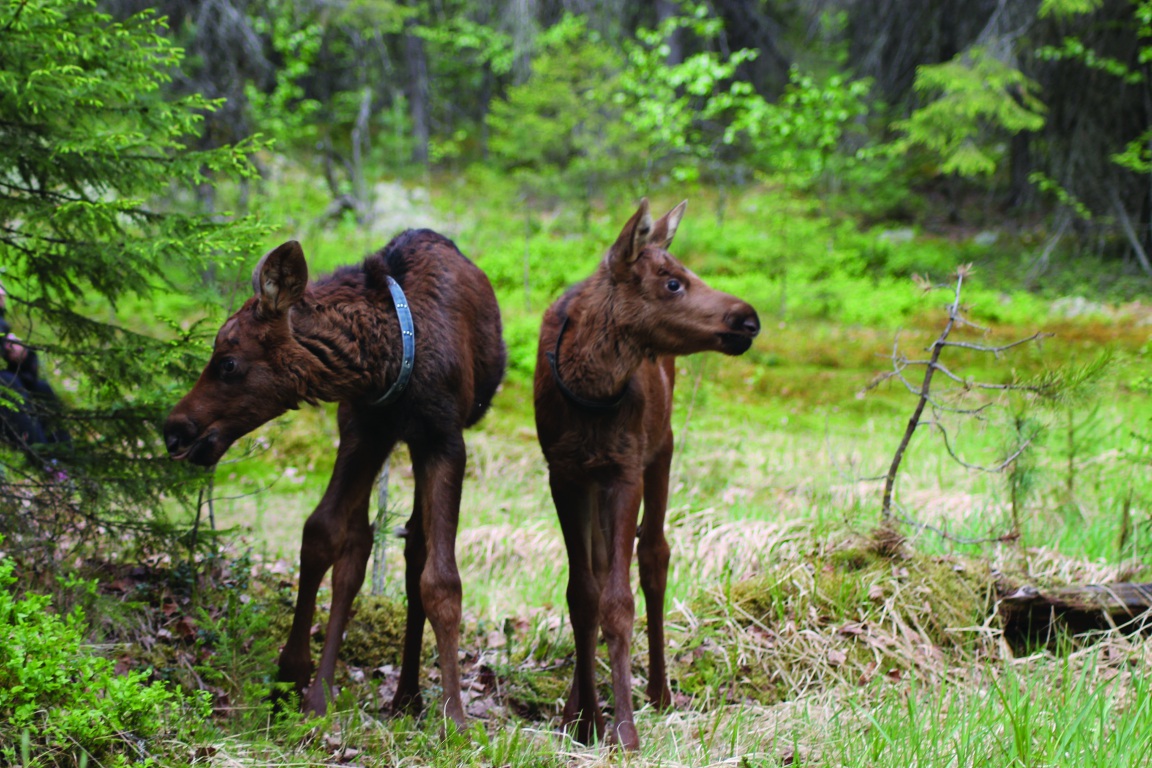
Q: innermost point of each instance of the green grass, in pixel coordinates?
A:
(1047, 713)
(767, 493)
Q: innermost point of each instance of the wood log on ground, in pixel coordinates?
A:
(1032, 614)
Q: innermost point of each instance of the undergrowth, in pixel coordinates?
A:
(64, 703)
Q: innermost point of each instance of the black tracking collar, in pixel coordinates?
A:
(609, 404)
(407, 339)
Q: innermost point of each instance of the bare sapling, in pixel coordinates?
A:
(944, 399)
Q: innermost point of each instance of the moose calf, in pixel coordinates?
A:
(603, 392)
(409, 344)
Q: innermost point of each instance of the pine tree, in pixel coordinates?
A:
(93, 156)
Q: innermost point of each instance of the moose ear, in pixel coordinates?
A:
(280, 278)
(665, 228)
(635, 235)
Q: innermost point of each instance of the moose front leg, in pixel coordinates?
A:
(295, 663)
(337, 532)
(619, 508)
(575, 507)
(347, 578)
(653, 554)
(439, 477)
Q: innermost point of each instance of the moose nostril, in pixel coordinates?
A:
(179, 433)
(743, 319)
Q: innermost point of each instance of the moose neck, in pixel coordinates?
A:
(346, 350)
(598, 354)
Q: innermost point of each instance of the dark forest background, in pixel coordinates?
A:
(1031, 112)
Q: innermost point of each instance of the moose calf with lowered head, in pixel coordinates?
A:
(409, 344)
(603, 390)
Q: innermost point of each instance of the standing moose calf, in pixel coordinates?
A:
(603, 390)
(349, 338)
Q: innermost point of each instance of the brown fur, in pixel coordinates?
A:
(339, 340)
(625, 325)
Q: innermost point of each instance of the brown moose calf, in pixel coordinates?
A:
(603, 390)
(409, 344)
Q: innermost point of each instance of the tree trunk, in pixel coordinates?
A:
(667, 9)
(1020, 160)
(521, 19)
(416, 62)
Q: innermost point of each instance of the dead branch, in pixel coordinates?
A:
(1040, 265)
(978, 467)
(953, 537)
(1002, 348)
(1013, 387)
(925, 396)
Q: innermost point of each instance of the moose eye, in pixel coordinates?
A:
(673, 286)
(228, 365)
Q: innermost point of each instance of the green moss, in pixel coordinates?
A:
(375, 633)
(855, 584)
(534, 691)
(853, 559)
(763, 600)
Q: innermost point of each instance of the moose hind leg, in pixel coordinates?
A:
(653, 555)
(439, 476)
(408, 698)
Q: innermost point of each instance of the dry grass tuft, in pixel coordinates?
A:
(887, 541)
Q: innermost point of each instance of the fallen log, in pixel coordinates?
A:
(1040, 614)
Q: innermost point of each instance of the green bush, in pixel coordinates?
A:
(59, 700)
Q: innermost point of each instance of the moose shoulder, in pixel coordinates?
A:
(348, 338)
(603, 392)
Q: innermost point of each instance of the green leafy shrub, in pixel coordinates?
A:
(59, 700)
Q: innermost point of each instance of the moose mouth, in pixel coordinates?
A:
(734, 343)
(203, 451)
(183, 454)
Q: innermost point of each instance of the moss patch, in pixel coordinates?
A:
(844, 615)
(375, 633)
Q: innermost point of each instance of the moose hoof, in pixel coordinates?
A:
(624, 736)
(661, 698)
(454, 723)
(284, 698)
(405, 703)
(587, 730)
(314, 701)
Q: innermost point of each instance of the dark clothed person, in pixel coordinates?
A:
(37, 419)
(18, 426)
